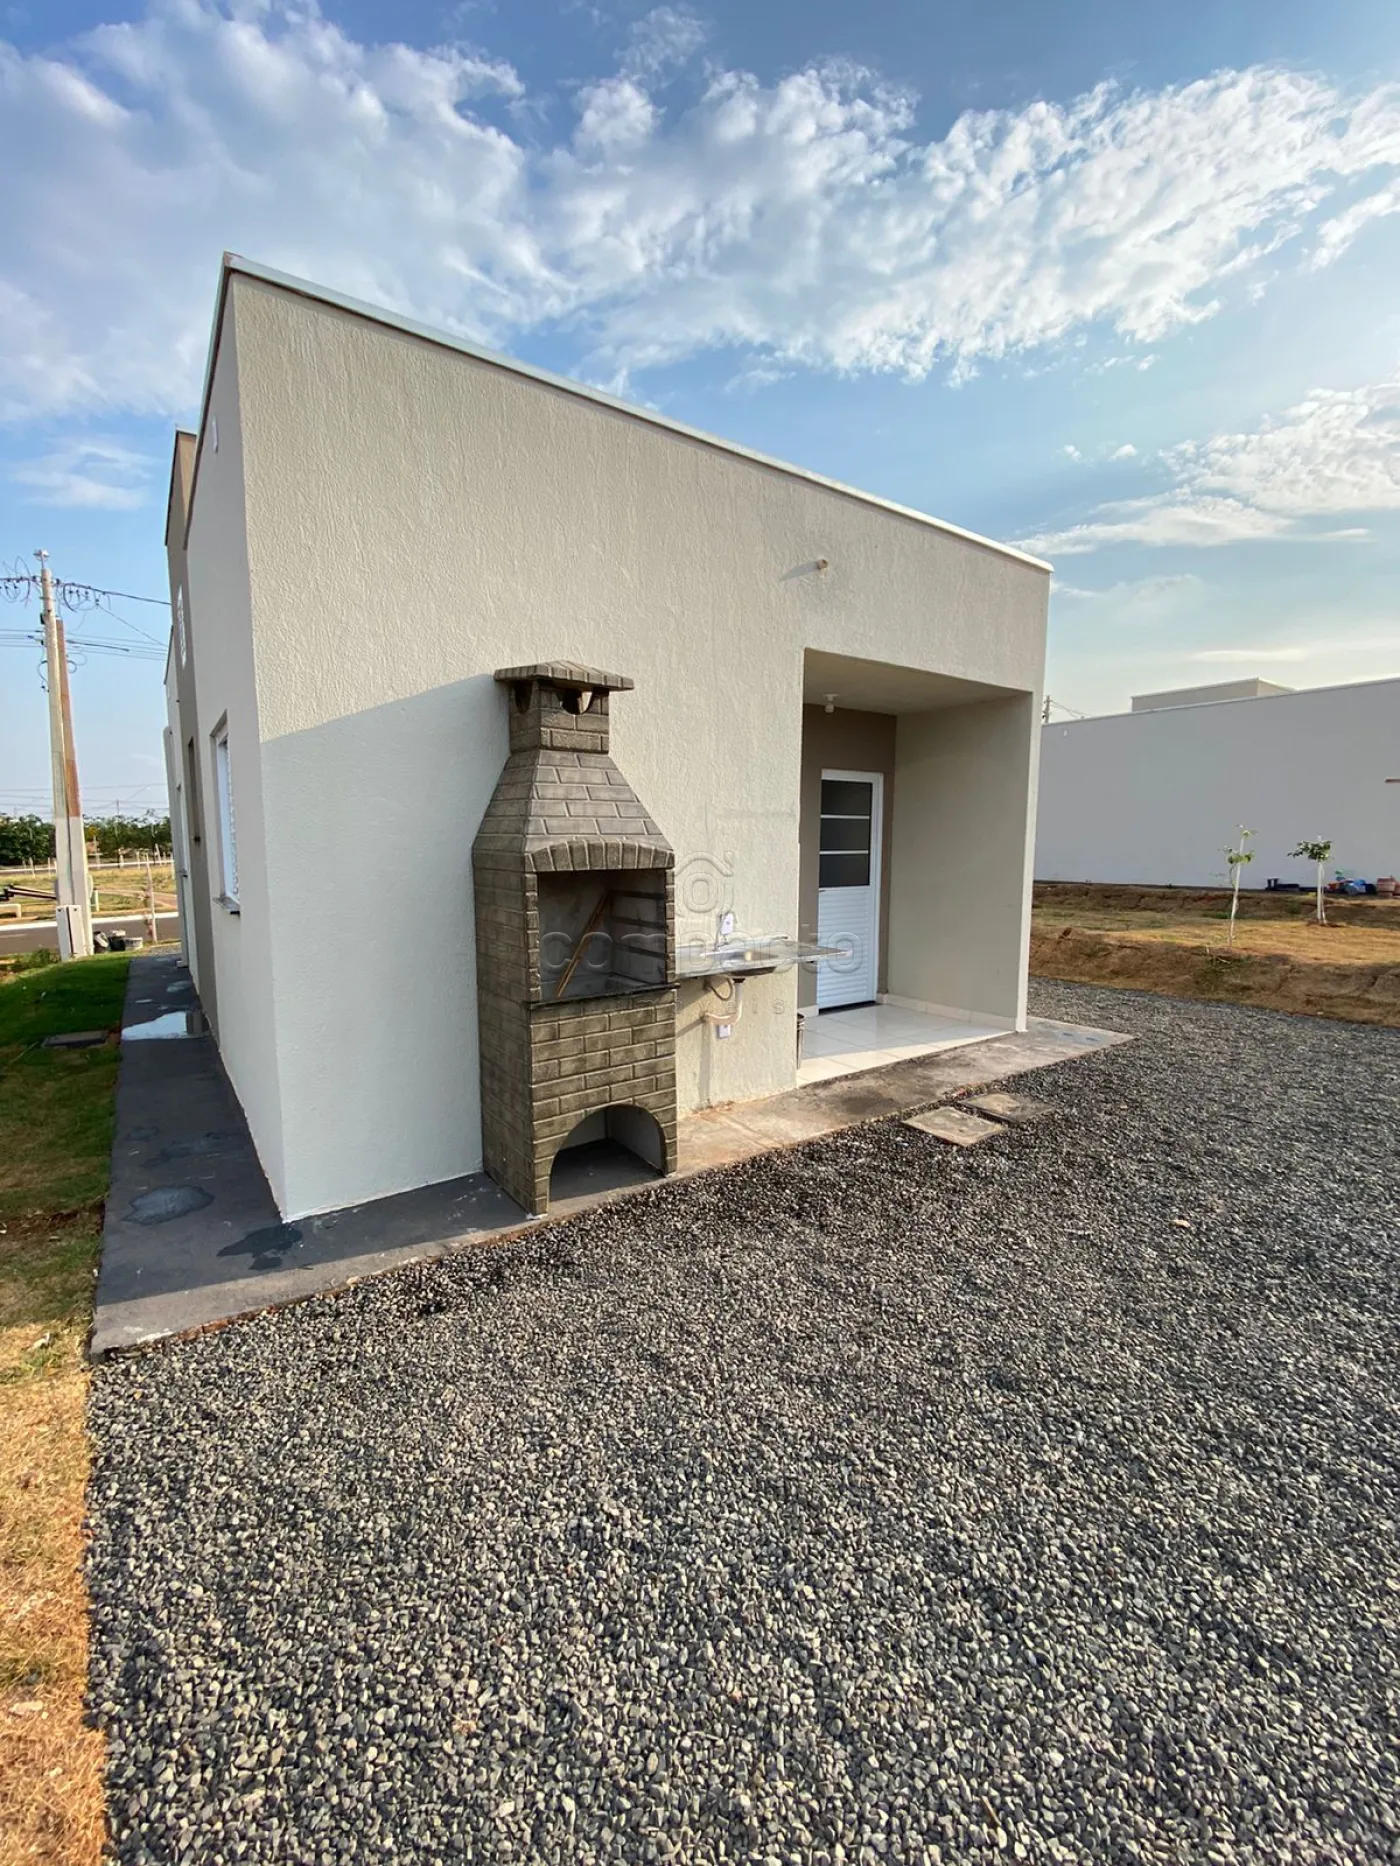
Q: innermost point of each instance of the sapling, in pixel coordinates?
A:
(1237, 859)
(1321, 853)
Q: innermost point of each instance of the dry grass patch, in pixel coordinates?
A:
(55, 1140)
(50, 1761)
(119, 891)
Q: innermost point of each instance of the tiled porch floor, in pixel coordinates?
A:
(838, 1043)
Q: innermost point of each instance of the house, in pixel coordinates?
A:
(522, 741)
(1155, 795)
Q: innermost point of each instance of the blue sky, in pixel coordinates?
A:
(1121, 283)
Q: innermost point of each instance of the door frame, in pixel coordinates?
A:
(876, 780)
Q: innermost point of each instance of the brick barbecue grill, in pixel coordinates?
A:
(575, 941)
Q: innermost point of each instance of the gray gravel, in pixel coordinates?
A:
(871, 1502)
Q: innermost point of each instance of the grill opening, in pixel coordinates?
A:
(602, 933)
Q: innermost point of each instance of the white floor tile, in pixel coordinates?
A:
(844, 1042)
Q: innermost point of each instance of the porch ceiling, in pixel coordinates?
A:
(882, 687)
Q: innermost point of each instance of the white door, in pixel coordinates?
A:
(848, 897)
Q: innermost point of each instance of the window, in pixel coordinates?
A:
(228, 843)
(848, 807)
(180, 622)
(193, 793)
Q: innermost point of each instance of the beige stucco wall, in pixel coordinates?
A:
(960, 870)
(417, 517)
(223, 638)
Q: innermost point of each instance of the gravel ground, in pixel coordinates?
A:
(872, 1502)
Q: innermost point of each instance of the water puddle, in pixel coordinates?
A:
(168, 1024)
(163, 1203)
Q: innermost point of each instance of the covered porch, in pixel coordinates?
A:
(917, 822)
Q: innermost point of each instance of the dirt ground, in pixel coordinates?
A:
(1175, 941)
(1098, 898)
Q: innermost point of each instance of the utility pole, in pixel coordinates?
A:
(72, 910)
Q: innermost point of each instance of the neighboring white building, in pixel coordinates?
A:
(1207, 696)
(373, 519)
(1154, 796)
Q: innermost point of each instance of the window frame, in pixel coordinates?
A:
(225, 816)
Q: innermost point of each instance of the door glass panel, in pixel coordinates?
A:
(844, 833)
(844, 850)
(846, 797)
(844, 871)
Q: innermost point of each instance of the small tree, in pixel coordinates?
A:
(1237, 858)
(1321, 854)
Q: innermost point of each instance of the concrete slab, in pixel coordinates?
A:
(956, 1127)
(720, 1136)
(77, 1040)
(192, 1237)
(1011, 1108)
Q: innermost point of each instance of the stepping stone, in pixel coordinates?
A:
(1012, 1108)
(952, 1125)
(76, 1040)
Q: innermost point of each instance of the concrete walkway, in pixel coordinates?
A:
(192, 1236)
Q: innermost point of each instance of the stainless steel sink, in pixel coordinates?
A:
(746, 958)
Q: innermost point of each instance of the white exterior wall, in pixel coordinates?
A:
(417, 517)
(219, 605)
(179, 854)
(1154, 797)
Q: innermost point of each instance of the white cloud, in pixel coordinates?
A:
(1248, 656)
(1071, 452)
(1141, 595)
(1126, 452)
(662, 41)
(801, 222)
(1337, 234)
(1164, 519)
(1336, 453)
(93, 473)
(1324, 648)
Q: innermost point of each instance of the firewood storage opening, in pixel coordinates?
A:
(619, 1146)
(575, 942)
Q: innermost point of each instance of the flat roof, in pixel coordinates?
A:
(1243, 699)
(375, 314)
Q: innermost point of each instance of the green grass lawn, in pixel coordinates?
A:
(56, 1105)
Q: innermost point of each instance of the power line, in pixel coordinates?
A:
(21, 585)
(17, 637)
(125, 596)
